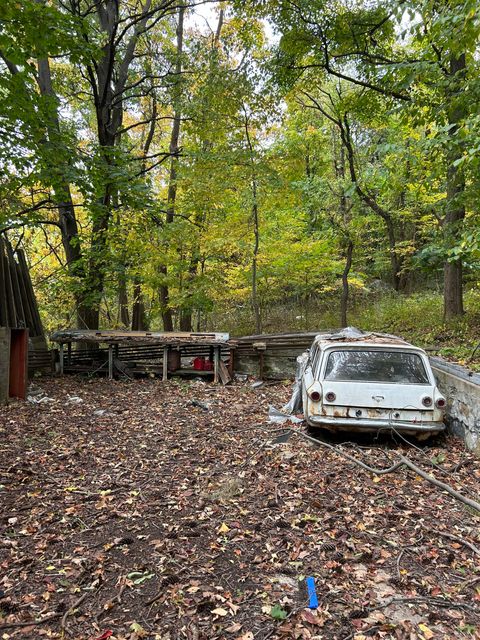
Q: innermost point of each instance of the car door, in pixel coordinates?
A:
(308, 376)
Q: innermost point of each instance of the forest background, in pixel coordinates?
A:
(249, 166)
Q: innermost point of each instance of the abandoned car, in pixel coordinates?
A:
(353, 381)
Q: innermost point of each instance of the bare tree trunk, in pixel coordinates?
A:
(455, 213)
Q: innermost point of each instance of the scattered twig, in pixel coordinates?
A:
(458, 539)
(399, 559)
(364, 631)
(160, 593)
(431, 600)
(403, 461)
(31, 623)
(275, 628)
(68, 612)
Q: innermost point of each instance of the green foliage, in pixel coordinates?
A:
(262, 129)
(277, 612)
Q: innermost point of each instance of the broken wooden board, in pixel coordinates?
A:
(223, 372)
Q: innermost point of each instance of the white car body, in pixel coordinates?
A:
(370, 382)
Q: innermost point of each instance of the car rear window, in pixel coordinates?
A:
(376, 366)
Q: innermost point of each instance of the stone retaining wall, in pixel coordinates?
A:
(462, 390)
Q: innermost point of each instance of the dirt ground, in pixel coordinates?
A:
(162, 511)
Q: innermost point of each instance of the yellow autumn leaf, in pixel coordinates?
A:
(428, 633)
(223, 528)
(377, 478)
(220, 612)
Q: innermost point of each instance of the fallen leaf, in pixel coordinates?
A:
(427, 633)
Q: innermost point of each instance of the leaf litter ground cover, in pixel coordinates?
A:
(167, 510)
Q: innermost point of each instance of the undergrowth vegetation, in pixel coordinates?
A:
(417, 317)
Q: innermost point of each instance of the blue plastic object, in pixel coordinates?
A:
(312, 594)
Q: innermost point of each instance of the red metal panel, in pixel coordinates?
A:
(18, 363)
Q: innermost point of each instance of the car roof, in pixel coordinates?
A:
(351, 337)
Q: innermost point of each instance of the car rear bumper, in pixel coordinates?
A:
(366, 424)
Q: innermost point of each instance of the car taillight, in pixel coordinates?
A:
(440, 403)
(330, 396)
(314, 396)
(427, 401)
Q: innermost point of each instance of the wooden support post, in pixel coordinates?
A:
(260, 348)
(165, 362)
(216, 363)
(61, 358)
(110, 361)
(231, 363)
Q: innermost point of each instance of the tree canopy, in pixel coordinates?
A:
(172, 165)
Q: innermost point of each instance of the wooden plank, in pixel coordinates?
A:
(9, 297)
(17, 296)
(27, 310)
(216, 364)
(110, 362)
(3, 291)
(31, 294)
(224, 373)
(4, 364)
(165, 363)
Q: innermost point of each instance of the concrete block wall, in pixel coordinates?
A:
(462, 390)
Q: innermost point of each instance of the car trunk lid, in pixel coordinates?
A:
(378, 395)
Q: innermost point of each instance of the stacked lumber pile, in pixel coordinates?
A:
(140, 359)
(272, 356)
(18, 305)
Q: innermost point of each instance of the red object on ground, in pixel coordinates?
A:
(106, 634)
(199, 363)
(208, 366)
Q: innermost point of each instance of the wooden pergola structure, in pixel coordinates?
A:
(136, 344)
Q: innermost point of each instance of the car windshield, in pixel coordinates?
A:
(376, 366)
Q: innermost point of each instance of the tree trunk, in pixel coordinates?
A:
(166, 311)
(123, 299)
(256, 229)
(345, 286)
(63, 197)
(139, 321)
(256, 245)
(455, 208)
(172, 180)
(395, 260)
